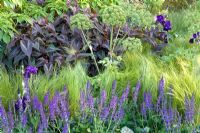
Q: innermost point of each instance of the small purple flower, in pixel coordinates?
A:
(30, 70)
(160, 19)
(136, 92)
(43, 117)
(82, 101)
(194, 36)
(198, 34)
(167, 26)
(40, 2)
(168, 117)
(53, 106)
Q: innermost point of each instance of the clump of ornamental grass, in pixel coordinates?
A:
(74, 77)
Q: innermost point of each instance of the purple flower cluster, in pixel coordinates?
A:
(161, 19)
(195, 38)
(30, 70)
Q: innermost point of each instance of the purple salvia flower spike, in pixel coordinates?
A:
(24, 120)
(143, 110)
(102, 100)
(65, 128)
(10, 119)
(3, 117)
(124, 95)
(189, 109)
(148, 100)
(104, 114)
(160, 94)
(136, 91)
(46, 98)
(40, 128)
(36, 103)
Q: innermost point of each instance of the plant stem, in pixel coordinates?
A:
(90, 47)
(115, 39)
(111, 41)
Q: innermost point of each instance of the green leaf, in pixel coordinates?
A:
(6, 38)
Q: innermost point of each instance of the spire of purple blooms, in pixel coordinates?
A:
(30, 70)
(160, 94)
(46, 98)
(3, 116)
(36, 103)
(40, 128)
(114, 86)
(113, 105)
(104, 114)
(143, 110)
(10, 119)
(24, 120)
(65, 114)
(90, 102)
(65, 128)
(189, 109)
(53, 106)
(119, 115)
(148, 100)
(136, 91)
(168, 118)
(19, 104)
(43, 118)
(82, 101)
(102, 100)
(124, 95)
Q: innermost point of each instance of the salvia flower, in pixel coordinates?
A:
(104, 114)
(124, 95)
(10, 119)
(65, 128)
(46, 98)
(148, 100)
(168, 118)
(64, 109)
(143, 110)
(189, 109)
(160, 94)
(24, 120)
(3, 116)
(136, 91)
(102, 100)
